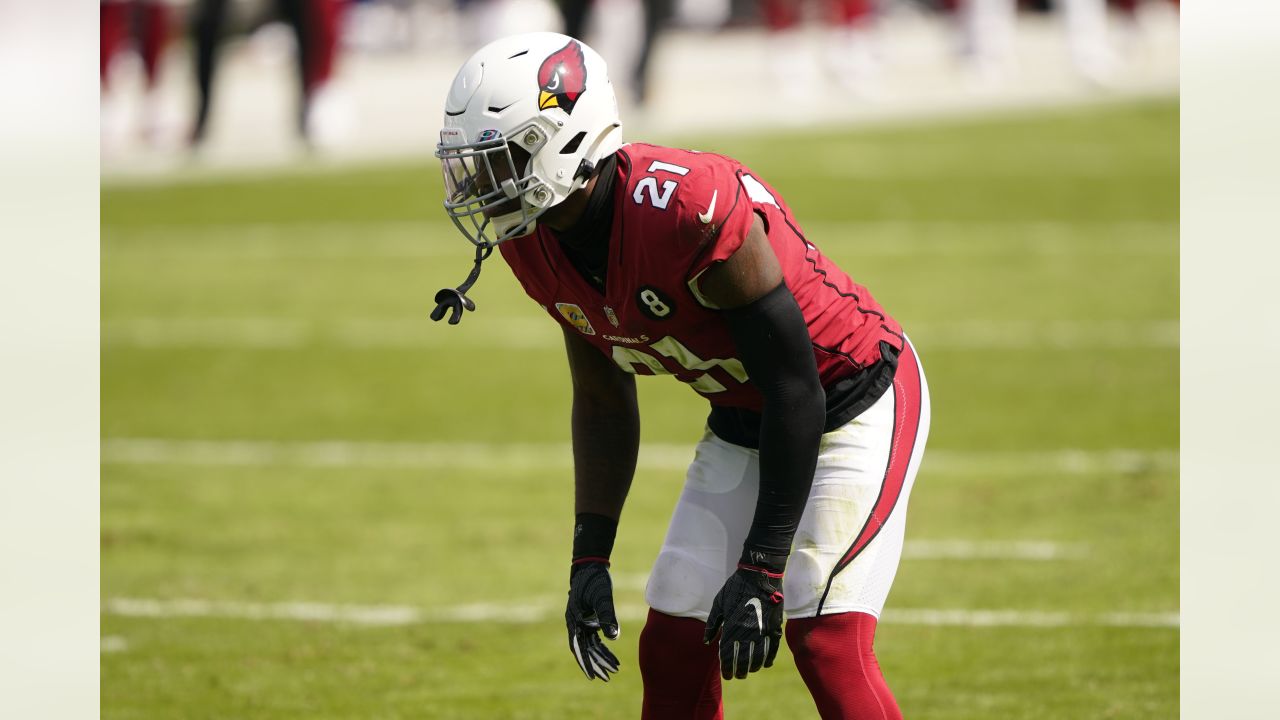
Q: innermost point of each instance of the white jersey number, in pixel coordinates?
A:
(654, 303)
(628, 358)
(649, 185)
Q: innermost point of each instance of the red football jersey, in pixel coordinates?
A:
(675, 213)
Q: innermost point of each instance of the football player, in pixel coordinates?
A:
(655, 260)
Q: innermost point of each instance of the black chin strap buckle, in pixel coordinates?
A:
(455, 300)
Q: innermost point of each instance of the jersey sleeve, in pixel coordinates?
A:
(716, 213)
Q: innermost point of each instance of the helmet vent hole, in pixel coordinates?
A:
(572, 146)
(522, 52)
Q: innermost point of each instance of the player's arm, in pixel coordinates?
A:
(606, 429)
(774, 345)
(606, 440)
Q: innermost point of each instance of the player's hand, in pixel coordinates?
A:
(591, 611)
(749, 607)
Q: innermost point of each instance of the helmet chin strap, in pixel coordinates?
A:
(455, 300)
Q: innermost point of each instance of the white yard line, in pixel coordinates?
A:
(114, 644)
(523, 613)
(1026, 618)
(507, 456)
(307, 611)
(1032, 550)
(274, 333)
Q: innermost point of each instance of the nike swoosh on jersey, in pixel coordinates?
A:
(755, 603)
(706, 216)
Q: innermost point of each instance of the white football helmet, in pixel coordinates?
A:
(547, 97)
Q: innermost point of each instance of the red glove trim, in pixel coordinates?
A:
(753, 568)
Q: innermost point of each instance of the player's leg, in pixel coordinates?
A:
(656, 13)
(206, 29)
(574, 15)
(113, 27)
(321, 20)
(791, 61)
(835, 652)
(1088, 39)
(848, 546)
(836, 657)
(851, 51)
(316, 24)
(681, 674)
(781, 14)
(153, 30)
(987, 30)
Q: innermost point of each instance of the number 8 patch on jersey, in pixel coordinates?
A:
(654, 303)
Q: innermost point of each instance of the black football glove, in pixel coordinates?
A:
(591, 611)
(749, 607)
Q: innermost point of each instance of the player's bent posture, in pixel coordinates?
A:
(663, 261)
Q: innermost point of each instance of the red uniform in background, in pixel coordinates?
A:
(784, 14)
(148, 20)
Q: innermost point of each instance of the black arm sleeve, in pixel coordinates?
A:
(774, 345)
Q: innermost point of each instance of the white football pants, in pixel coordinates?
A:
(847, 547)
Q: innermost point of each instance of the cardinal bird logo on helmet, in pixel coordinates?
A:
(563, 78)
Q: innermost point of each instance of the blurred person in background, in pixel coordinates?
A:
(1131, 23)
(316, 25)
(148, 23)
(987, 30)
(796, 499)
(1130, 7)
(848, 45)
(656, 14)
(1089, 41)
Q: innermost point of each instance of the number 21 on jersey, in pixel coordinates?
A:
(648, 186)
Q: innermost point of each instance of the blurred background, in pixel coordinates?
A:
(250, 83)
(317, 503)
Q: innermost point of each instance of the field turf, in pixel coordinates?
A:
(282, 424)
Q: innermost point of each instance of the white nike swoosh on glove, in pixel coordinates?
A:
(755, 603)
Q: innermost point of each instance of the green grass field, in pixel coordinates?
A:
(1033, 260)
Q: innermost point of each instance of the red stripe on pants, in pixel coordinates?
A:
(906, 425)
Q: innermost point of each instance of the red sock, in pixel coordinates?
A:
(113, 24)
(154, 29)
(835, 657)
(681, 675)
(781, 14)
(851, 12)
(322, 21)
